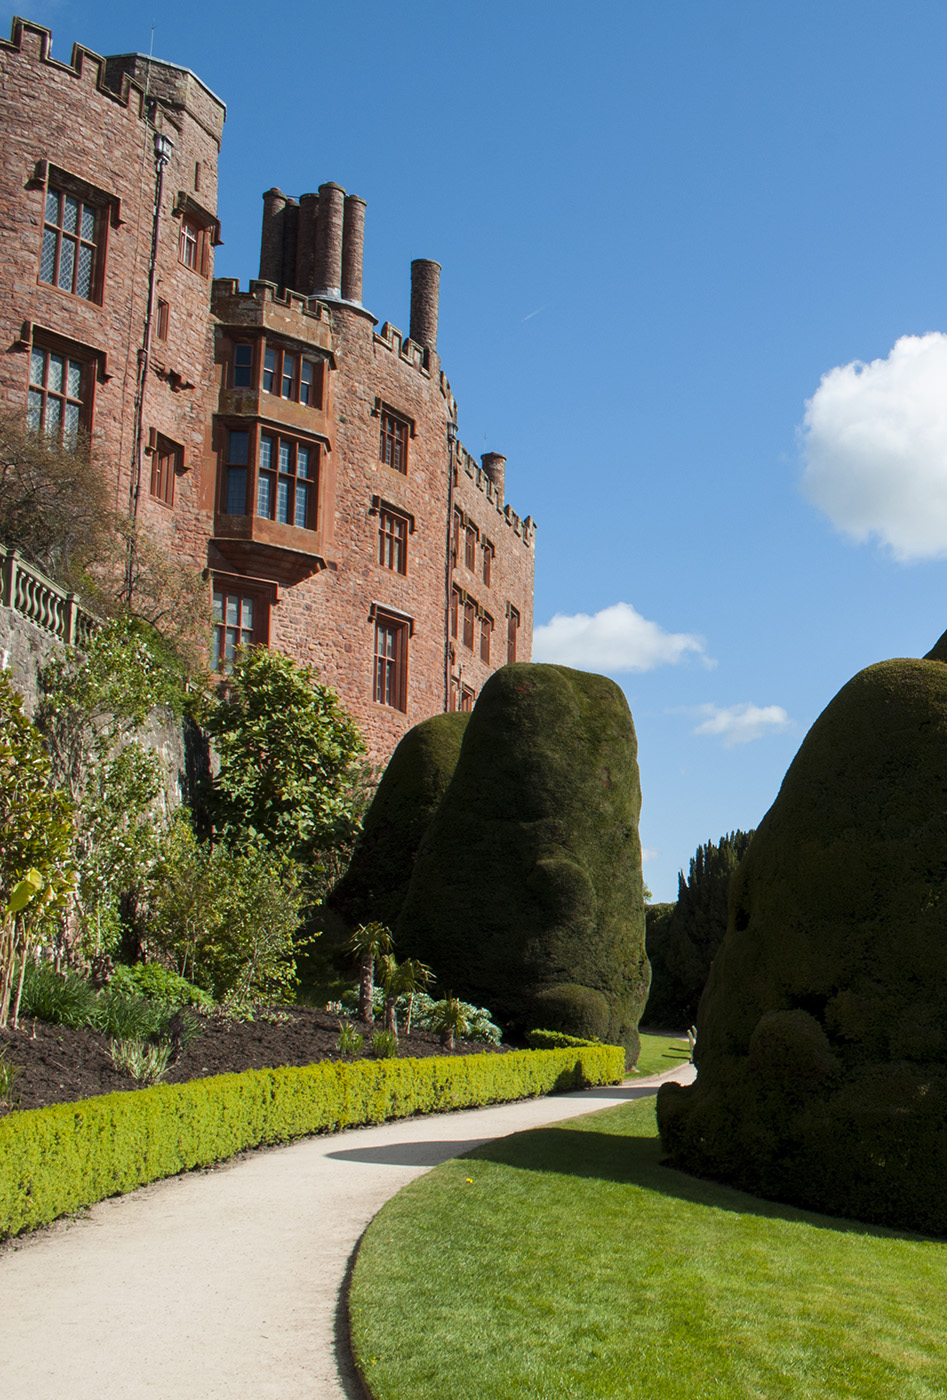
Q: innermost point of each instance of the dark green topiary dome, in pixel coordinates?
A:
(527, 893)
(822, 1034)
(417, 775)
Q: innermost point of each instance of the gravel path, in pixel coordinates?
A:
(226, 1284)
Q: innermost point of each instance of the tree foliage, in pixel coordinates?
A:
(683, 939)
(226, 918)
(37, 836)
(291, 759)
(54, 504)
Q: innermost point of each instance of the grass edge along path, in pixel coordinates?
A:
(566, 1263)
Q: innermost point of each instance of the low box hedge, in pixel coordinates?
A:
(58, 1159)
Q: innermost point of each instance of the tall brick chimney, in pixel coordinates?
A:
(329, 240)
(494, 464)
(425, 290)
(271, 239)
(353, 240)
(306, 242)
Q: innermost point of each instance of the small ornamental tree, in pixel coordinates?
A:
(93, 708)
(291, 759)
(37, 837)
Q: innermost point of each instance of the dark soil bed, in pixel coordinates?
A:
(58, 1065)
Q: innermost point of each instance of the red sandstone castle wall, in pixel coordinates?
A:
(89, 126)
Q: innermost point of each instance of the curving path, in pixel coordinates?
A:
(226, 1284)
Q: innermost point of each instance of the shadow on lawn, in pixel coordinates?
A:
(637, 1161)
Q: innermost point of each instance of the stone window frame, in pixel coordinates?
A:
(167, 463)
(294, 384)
(262, 595)
(392, 631)
(40, 391)
(231, 465)
(389, 557)
(198, 234)
(486, 634)
(106, 209)
(395, 430)
(489, 558)
(512, 630)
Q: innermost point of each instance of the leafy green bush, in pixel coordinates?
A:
(62, 1158)
(553, 1040)
(159, 984)
(226, 917)
(130, 1018)
(291, 759)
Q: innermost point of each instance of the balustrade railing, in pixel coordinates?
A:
(25, 589)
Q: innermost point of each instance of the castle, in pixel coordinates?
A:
(306, 461)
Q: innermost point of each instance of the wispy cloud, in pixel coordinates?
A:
(617, 639)
(649, 853)
(739, 724)
(874, 438)
(533, 313)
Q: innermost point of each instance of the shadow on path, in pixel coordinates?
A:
(409, 1154)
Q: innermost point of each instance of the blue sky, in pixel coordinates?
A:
(663, 224)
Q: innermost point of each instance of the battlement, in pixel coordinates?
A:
(404, 347)
(524, 528)
(122, 78)
(261, 294)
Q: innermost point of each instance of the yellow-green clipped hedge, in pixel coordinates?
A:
(56, 1160)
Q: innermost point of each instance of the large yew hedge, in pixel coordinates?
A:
(822, 1034)
(526, 895)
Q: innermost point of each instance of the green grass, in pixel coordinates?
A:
(568, 1264)
(659, 1052)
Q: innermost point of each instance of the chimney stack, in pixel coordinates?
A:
(306, 227)
(353, 240)
(425, 290)
(329, 225)
(494, 464)
(271, 239)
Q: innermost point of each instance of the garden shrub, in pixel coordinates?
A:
(822, 1034)
(159, 984)
(529, 874)
(580, 1009)
(62, 1158)
(554, 1040)
(373, 888)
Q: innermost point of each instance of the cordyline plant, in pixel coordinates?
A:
(36, 874)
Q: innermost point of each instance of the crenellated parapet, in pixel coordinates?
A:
(524, 527)
(406, 349)
(122, 78)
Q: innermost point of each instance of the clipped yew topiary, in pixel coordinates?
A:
(822, 1034)
(527, 893)
(373, 888)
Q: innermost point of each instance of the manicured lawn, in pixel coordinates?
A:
(659, 1053)
(568, 1264)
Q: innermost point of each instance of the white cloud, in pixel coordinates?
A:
(739, 724)
(875, 443)
(649, 853)
(616, 639)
